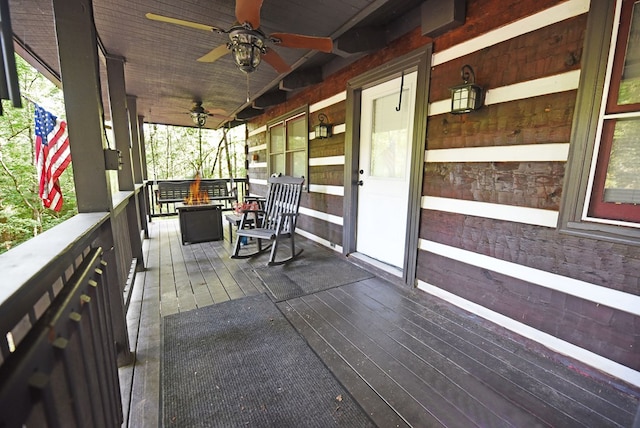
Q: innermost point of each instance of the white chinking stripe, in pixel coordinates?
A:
(341, 96)
(258, 165)
(258, 181)
(585, 290)
(328, 160)
(337, 129)
(321, 241)
(534, 216)
(555, 152)
(558, 345)
(547, 17)
(257, 131)
(321, 215)
(257, 148)
(329, 190)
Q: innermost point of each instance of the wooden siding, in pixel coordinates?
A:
(517, 64)
(538, 120)
(526, 184)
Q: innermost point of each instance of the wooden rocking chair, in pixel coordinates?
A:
(276, 222)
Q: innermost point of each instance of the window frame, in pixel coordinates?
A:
(284, 119)
(581, 183)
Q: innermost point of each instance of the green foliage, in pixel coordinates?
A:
(22, 214)
(177, 152)
(172, 152)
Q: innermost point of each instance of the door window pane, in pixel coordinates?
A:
(389, 137)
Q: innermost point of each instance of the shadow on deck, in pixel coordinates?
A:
(407, 358)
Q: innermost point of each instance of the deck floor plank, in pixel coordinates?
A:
(569, 393)
(408, 359)
(439, 375)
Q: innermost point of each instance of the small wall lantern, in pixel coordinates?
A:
(468, 96)
(323, 130)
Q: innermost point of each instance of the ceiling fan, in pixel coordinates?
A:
(248, 43)
(199, 114)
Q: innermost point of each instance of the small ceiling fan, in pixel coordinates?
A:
(248, 43)
(199, 114)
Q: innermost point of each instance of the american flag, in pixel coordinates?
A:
(52, 156)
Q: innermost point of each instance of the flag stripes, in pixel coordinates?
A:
(52, 155)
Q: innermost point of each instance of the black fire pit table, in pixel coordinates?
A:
(200, 222)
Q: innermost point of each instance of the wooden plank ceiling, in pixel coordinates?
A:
(161, 68)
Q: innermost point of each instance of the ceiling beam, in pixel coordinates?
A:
(301, 79)
(248, 113)
(269, 99)
(440, 16)
(364, 39)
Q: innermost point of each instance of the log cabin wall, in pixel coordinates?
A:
(493, 183)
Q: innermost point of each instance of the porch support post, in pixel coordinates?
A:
(120, 119)
(77, 50)
(143, 149)
(79, 69)
(122, 134)
(138, 168)
(136, 154)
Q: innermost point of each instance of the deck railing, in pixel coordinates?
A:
(63, 328)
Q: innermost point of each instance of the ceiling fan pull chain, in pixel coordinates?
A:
(248, 95)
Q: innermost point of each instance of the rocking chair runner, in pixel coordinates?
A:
(276, 222)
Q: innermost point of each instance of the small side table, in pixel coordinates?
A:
(235, 219)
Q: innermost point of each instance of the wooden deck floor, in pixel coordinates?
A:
(409, 359)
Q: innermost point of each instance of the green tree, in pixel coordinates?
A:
(22, 214)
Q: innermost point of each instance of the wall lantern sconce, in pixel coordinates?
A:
(467, 97)
(323, 130)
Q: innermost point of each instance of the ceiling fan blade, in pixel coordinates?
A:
(274, 60)
(217, 112)
(249, 11)
(214, 54)
(184, 23)
(324, 44)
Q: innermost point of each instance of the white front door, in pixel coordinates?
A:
(386, 137)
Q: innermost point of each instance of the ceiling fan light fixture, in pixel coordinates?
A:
(199, 115)
(247, 47)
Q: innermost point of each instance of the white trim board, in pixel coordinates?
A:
(585, 290)
(555, 344)
(522, 90)
(321, 215)
(554, 152)
(534, 216)
(317, 239)
(257, 165)
(547, 17)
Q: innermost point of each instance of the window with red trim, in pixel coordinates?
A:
(616, 182)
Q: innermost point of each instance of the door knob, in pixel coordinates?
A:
(360, 182)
